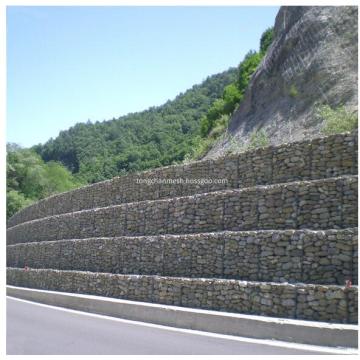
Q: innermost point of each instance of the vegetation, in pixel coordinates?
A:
(266, 39)
(293, 92)
(29, 178)
(15, 201)
(152, 138)
(201, 146)
(337, 120)
(215, 122)
(180, 130)
(234, 146)
(258, 139)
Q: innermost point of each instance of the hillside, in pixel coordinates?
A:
(253, 229)
(159, 136)
(312, 62)
(292, 88)
(155, 137)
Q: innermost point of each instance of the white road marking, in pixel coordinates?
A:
(283, 344)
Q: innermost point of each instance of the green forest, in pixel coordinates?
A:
(179, 130)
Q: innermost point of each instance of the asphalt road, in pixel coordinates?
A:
(34, 329)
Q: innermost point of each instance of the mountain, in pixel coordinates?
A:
(299, 84)
(312, 62)
(155, 137)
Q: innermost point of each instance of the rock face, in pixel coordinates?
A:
(312, 60)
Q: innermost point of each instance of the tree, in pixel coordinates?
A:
(246, 68)
(29, 178)
(100, 150)
(14, 202)
(58, 179)
(266, 39)
(232, 96)
(234, 92)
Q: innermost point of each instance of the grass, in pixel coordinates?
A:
(202, 146)
(258, 139)
(337, 120)
(293, 92)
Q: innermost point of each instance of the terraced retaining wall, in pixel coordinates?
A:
(211, 246)
(301, 301)
(317, 204)
(319, 158)
(327, 257)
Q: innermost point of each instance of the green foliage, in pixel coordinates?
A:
(247, 67)
(199, 149)
(258, 139)
(234, 146)
(266, 39)
(212, 125)
(15, 201)
(30, 179)
(234, 92)
(216, 109)
(337, 120)
(220, 126)
(152, 138)
(232, 96)
(293, 92)
(204, 126)
(58, 179)
(180, 130)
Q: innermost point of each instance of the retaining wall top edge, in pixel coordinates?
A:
(155, 170)
(195, 235)
(194, 196)
(194, 279)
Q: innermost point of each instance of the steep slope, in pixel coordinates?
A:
(312, 61)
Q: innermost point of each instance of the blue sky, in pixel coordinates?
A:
(70, 64)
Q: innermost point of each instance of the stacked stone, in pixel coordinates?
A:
(316, 204)
(318, 257)
(320, 158)
(279, 238)
(302, 301)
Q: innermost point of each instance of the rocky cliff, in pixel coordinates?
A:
(313, 60)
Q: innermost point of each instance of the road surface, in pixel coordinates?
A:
(40, 329)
